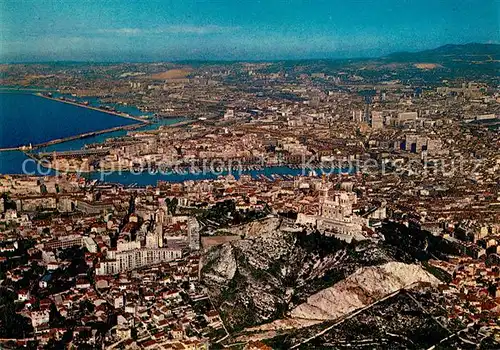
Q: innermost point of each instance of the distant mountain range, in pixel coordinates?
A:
(473, 52)
(473, 61)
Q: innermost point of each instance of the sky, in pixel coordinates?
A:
(154, 30)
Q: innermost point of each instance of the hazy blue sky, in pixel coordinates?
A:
(134, 30)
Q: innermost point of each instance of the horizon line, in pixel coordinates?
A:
(236, 60)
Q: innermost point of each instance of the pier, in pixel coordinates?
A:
(77, 153)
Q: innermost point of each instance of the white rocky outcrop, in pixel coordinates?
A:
(257, 228)
(365, 286)
(225, 267)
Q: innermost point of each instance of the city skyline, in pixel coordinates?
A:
(157, 31)
(249, 175)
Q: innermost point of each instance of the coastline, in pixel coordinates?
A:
(141, 121)
(27, 151)
(30, 150)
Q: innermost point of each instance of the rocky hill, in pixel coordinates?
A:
(408, 319)
(261, 279)
(474, 61)
(360, 289)
(472, 52)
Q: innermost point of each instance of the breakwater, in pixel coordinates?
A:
(74, 103)
(71, 138)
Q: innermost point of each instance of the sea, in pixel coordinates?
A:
(26, 118)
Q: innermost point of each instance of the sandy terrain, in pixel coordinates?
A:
(427, 65)
(173, 74)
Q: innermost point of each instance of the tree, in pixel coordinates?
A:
(13, 325)
(8, 202)
(87, 306)
(172, 205)
(55, 318)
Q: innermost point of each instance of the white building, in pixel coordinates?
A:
(335, 214)
(377, 120)
(40, 317)
(193, 228)
(90, 244)
(125, 260)
(407, 116)
(229, 114)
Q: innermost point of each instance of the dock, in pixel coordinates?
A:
(77, 153)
